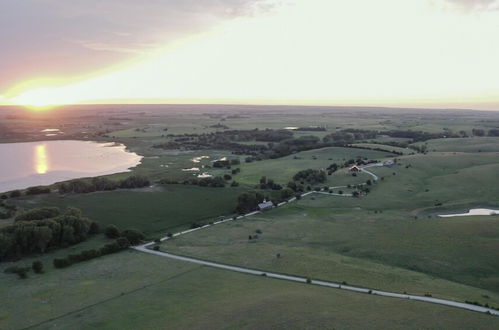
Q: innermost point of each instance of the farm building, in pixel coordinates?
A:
(354, 169)
(265, 205)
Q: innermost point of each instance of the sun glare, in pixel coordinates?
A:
(315, 52)
(41, 159)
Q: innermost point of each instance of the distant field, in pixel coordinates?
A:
(153, 211)
(475, 144)
(282, 169)
(132, 290)
(385, 147)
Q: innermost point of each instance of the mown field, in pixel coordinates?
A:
(133, 290)
(154, 211)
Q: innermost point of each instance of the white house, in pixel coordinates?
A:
(265, 205)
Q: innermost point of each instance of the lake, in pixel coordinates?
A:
(28, 164)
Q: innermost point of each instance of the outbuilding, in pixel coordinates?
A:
(265, 205)
(354, 169)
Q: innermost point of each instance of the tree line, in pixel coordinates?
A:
(102, 184)
(25, 237)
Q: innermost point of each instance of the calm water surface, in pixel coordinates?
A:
(29, 164)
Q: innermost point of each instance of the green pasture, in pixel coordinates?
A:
(132, 290)
(385, 251)
(475, 144)
(281, 170)
(154, 211)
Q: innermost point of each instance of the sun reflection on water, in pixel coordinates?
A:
(41, 161)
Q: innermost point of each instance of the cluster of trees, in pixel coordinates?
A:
(310, 176)
(280, 143)
(222, 139)
(481, 132)
(332, 168)
(39, 214)
(268, 184)
(37, 190)
(213, 182)
(311, 129)
(133, 236)
(248, 201)
(103, 184)
(493, 132)
(116, 246)
(378, 149)
(29, 192)
(227, 163)
(349, 136)
(39, 235)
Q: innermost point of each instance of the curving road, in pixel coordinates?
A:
(445, 302)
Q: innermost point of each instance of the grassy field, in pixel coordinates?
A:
(282, 169)
(456, 180)
(475, 144)
(383, 251)
(132, 290)
(389, 239)
(154, 211)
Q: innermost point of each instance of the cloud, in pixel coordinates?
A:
(476, 4)
(54, 38)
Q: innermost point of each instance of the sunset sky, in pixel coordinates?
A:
(421, 53)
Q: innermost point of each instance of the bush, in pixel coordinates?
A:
(39, 214)
(94, 228)
(15, 194)
(123, 242)
(134, 236)
(22, 272)
(156, 248)
(112, 231)
(37, 267)
(61, 262)
(37, 190)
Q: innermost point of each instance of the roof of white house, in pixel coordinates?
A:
(265, 205)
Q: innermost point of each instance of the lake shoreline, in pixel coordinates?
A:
(43, 163)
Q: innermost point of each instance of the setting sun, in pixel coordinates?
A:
(355, 52)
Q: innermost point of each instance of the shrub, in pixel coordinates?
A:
(94, 228)
(39, 214)
(156, 248)
(37, 266)
(309, 280)
(112, 231)
(123, 242)
(15, 194)
(61, 262)
(134, 236)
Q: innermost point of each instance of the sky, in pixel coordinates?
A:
(418, 53)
